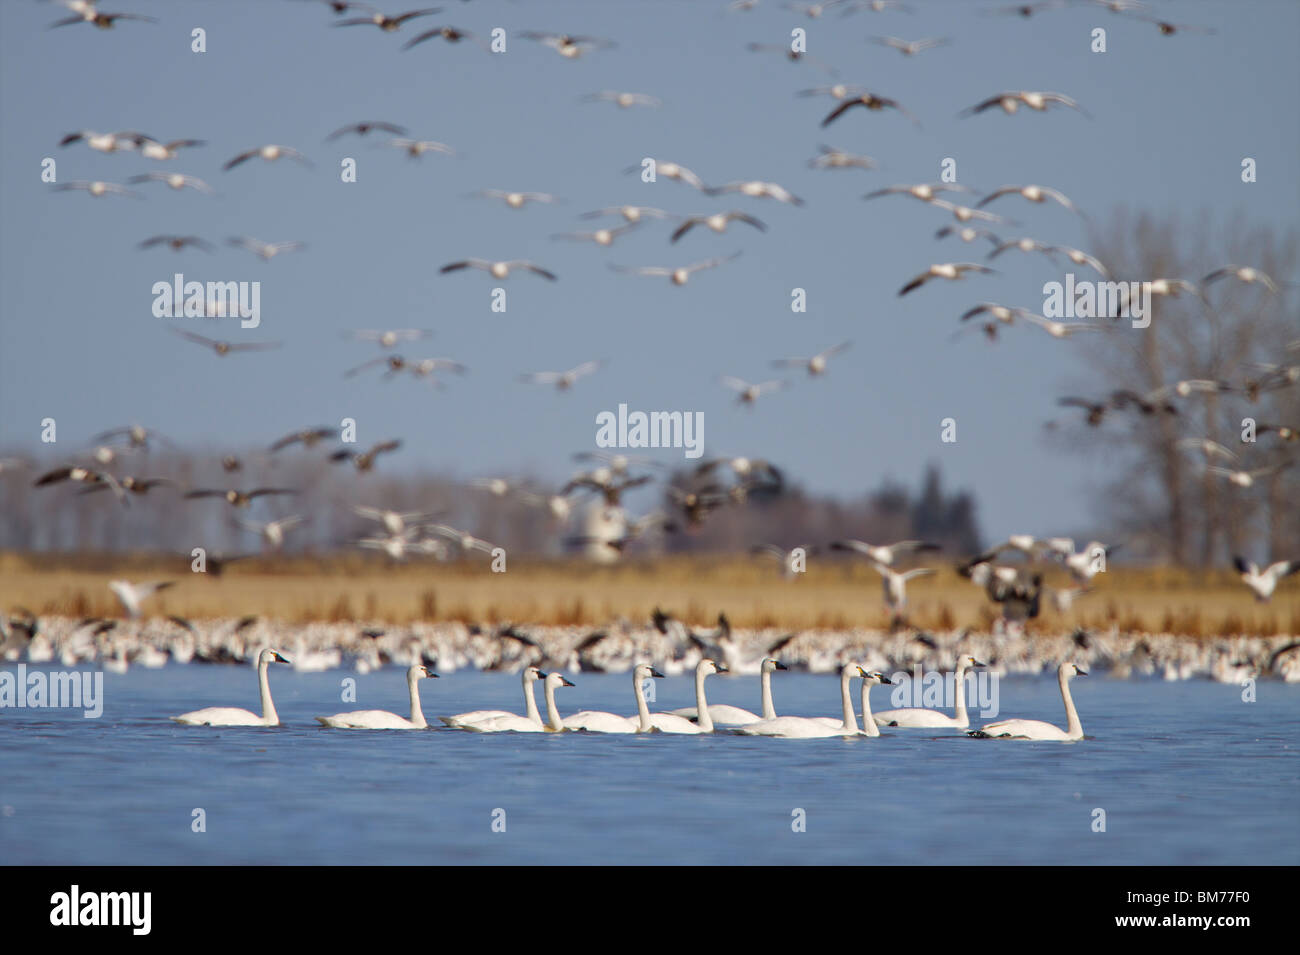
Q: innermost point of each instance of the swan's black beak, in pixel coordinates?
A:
(721, 667)
(978, 664)
(1080, 672)
(541, 675)
(656, 674)
(885, 681)
(430, 673)
(564, 682)
(280, 659)
(779, 665)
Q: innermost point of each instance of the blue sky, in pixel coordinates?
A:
(1173, 117)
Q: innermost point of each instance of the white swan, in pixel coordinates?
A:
(530, 675)
(671, 723)
(596, 722)
(382, 719)
(1036, 729)
(803, 727)
(734, 715)
(521, 724)
(232, 715)
(913, 717)
(874, 678)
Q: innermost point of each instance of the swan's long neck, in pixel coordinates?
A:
(868, 719)
(553, 721)
(703, 718)
(769, 711)
(642, 711)
(1072, 724)
(850, 718)
(269, 715)
(960, 690)
(417, 714)
(530, 700)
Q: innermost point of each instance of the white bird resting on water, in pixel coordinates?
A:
(592, 721)
(915, 717)
(734, 715)
(382, 719)
(802, 727)
(232, 715)
(672, 723)
(529, 676)
(521, 724)
(1036, 729)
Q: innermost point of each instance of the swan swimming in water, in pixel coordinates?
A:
(233, 715)
(521, 724)
(914, 717)
(530, 676)
(803, 727)
(1036, 729)
(671, 723)
(382, 719)
(597, 722)
(734, 715)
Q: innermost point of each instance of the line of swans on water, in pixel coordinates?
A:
(701, 718)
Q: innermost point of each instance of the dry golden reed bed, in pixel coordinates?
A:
(831, 595)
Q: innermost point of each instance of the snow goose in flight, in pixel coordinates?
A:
(1263, 582)
(364, 127)
(105, 21)
(176, 242)
(365, 460)
(568, 46)
(265, 251)
(385, 22)
(1169, 29)
(176, 180)
(307, 437)
(629, 213)
(562, 380)
(878, 6)
(153, 149)
(966, 233)
(603, 237)
(757, 189)
(1243, 273)
(237, 498)
(717, 222)
(394, 363)
(678, 276)
(132, 485)
(222, 348)
(837, 91)
(1242, 478)
(1080, 258)
(785, 558)
(947, 270)
(1282, 431)
(884, 554)
(811, 10)
(81, 475)
(270, 153)
(97, 188)
(450, 34)
(1035, 729)
(1089, 562)
(831, 158)
(515, 200)
(381, 719)
(1032, 193)
(748, 394)
(1062, 329)
(1208, 448)
(925, 191)
(466, 542)
(232, 716)
(1025, 244)
(1027, 10)
(1011, 101)
(390, 337)
(271, 532)
(101, 142)
(131, 596)
(623, 100)
(395, 522)
(415, 148)
(869, 101)
(498, 270)
(425, 367)
(670, 170)
(816, 365)
(910, 47)
(137, 435)
(966, 213)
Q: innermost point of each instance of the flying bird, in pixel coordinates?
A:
(222, 347)
(679, 275)
(717, 221)
(498, 270)
(947, 270)
(270, 153)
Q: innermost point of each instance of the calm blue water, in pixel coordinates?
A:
(1186, 772)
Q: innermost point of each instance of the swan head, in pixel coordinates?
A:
(875, 678)
(555, 679)
(708, 667)
(645, 671)
(769, 665)
(269, 656)
(969, 661)
(1070, 670)
(533, 673)
(419, 670)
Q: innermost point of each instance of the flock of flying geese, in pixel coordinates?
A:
(1016, 588)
